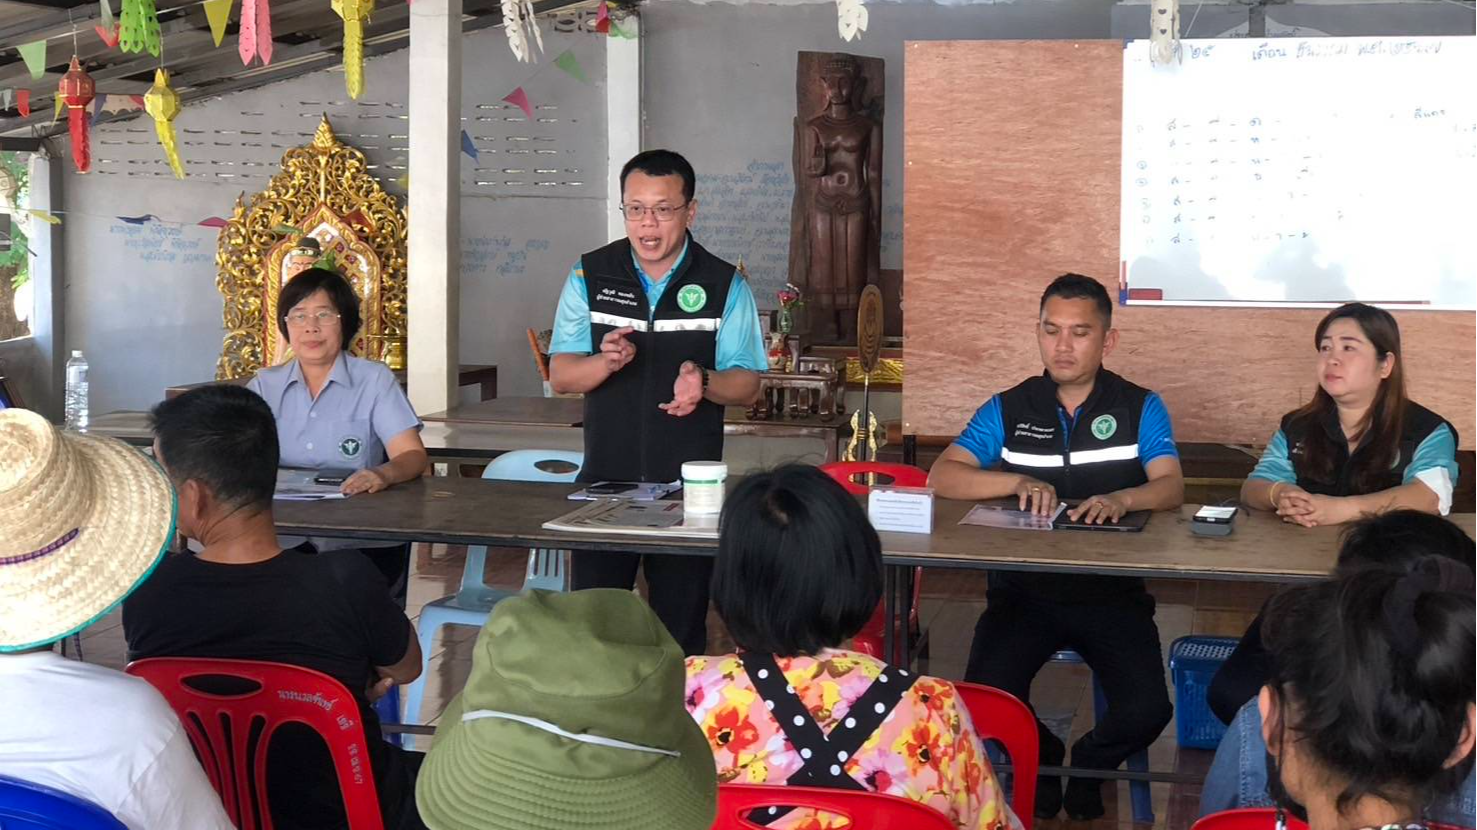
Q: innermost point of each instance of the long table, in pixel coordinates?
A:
(569, 414)
(511, 514)
(478, 433)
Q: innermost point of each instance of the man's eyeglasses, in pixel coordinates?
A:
(298, 319)
(663, 213)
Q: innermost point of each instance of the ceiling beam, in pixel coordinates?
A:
(45, 4)
(92, 51)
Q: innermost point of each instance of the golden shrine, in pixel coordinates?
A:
(325, 191)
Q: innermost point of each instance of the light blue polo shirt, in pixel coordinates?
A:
(740, 342)
(357, 411)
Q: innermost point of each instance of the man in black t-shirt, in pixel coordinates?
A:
(244, 597)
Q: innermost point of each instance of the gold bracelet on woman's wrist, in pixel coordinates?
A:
(1272, 495)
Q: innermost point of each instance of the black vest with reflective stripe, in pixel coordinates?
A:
(1101, 455)
(627, 438)
(1416, 425)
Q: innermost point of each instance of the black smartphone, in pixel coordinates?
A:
(609, 488)
(332, 476)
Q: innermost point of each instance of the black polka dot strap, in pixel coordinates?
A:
(825, 755)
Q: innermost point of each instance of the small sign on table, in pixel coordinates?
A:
(901, 509)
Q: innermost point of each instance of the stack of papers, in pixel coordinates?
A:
(297, 485)
(1009, 518)
(636, 518)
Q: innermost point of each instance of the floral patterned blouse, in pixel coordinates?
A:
(927, 750)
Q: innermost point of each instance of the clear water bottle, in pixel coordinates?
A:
(76, 398)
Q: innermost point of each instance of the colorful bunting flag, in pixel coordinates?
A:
(120, 103)
(6, 97)
(468, 147)
(34, 54)
(212, 222)
(137, 220)
(107, 27)
(256, 31)
(60, 105)
(404, 181)
(519, 99)
(617, 31)
(45, 217)
(602, 18)
(218, 13)
(571, 66)
(138, 30)
(23, 102)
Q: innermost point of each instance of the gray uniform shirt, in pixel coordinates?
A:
(356, 413)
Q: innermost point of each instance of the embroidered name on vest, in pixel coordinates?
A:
(1026, 429)
(619, 297)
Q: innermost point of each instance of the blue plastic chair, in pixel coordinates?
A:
(27, 806)
(1138, 791)
(473, 601)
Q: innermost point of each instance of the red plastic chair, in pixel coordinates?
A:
(1000, 716)
(1264, 818)
(866, 811)
(227, 730)
(869, 639)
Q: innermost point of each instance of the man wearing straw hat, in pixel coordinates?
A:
(244, 597)
(84, 520)
(572, 716)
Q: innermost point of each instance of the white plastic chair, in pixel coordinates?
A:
(473, 601)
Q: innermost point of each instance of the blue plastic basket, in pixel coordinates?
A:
(1193, 661)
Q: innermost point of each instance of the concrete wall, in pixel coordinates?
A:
(141, 299)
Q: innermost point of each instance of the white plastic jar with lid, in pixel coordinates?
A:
(702, 487)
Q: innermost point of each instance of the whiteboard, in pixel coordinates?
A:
(1301, 172)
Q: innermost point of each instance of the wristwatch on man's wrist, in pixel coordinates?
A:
(704, 371)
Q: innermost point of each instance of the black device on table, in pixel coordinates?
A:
(609, 488)
(1130, 522)
(332, 476)
(1212, 520)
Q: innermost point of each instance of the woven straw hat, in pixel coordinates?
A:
(572, 717)
(83, 520)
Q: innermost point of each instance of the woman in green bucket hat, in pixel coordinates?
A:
(572, 716)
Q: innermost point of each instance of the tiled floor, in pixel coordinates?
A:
(951, 601)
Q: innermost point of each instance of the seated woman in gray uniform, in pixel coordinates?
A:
(335, 411)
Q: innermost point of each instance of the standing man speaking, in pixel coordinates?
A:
(659, 335)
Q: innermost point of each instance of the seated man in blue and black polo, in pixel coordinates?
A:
(1081, 433)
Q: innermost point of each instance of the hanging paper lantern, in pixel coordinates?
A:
(354, 13)
(162, 104)
(77, 91)
(138, 30)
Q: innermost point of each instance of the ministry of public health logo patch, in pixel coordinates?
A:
(350, 447)
(691, 298)
(1103, 427)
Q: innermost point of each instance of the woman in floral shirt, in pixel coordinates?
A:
(799, 572)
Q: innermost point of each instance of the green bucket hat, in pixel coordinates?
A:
(572, 717)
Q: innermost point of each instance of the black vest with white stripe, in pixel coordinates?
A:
(1100, 455)
(627, 438)
(1416, 425)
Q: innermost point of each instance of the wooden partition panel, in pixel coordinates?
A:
(1012, 151)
